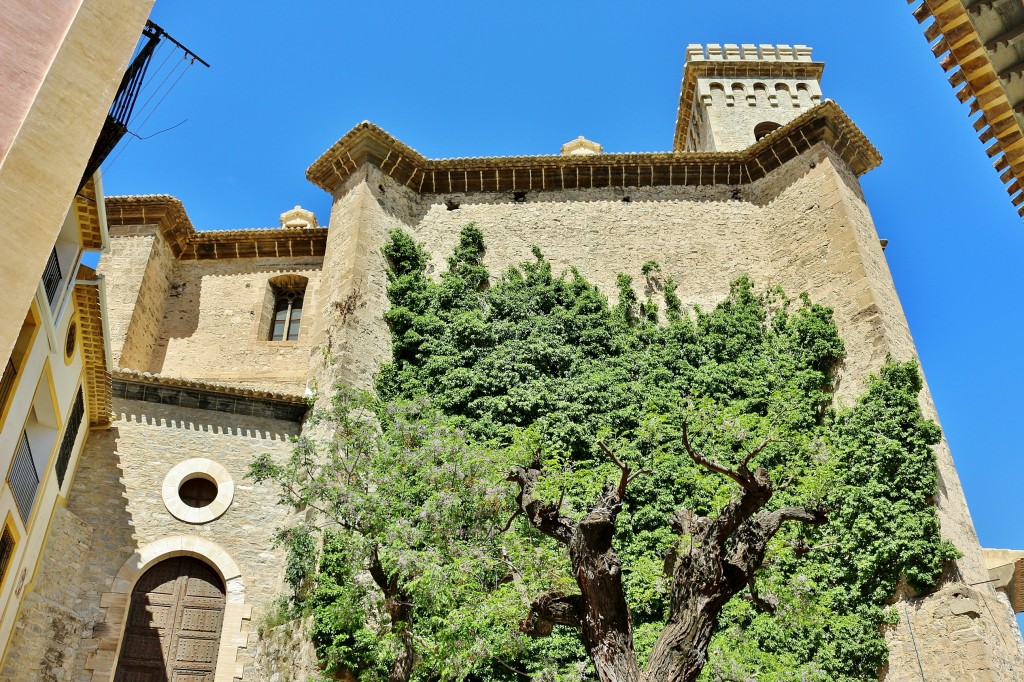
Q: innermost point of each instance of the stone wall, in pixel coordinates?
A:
(138, 268)
(203, 320)
(115, 509)
(215, 328)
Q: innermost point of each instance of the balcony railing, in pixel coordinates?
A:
(23, 479)
(7, 383)
(67, 443)
(52, 277)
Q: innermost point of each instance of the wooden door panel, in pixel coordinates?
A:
(201, 620)
(174, 623)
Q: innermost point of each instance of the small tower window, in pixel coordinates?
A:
(762, 129)
(287, 314)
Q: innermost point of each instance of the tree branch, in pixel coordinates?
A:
(550, 609)
(543, 516)
(772, 521)
(627, 477)
(768, 603)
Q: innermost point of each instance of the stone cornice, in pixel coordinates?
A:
(170, 218)
(969, 56)
(203, 395)
(368, 144)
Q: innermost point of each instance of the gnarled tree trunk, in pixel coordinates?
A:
(723, 556)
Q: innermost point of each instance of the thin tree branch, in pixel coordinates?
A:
(709, 464)
(768, 603)
(627, 476)
(543, 516)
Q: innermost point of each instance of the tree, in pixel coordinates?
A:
(669, 474)
(543, 363)
(404, 502)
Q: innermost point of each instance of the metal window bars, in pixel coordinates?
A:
(23, 479)
(67, 443)
(52, 277)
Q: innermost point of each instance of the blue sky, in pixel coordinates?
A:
(487, 79)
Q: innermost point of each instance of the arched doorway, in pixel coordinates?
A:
(174, 624)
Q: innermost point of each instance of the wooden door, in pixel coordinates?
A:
(174, 623)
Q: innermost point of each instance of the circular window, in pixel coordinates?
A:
(69, 343)
(198, 490)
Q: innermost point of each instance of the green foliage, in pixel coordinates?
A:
(536, 364)
(400, 490)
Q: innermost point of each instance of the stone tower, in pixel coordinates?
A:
(733, 95)
(217, 335)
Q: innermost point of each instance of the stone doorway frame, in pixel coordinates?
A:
(237, 614)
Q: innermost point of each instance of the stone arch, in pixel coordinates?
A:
(803, 95)
(783, 95)
(738, 94)
(115, 604)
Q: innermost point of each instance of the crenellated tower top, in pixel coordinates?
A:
(732, 95)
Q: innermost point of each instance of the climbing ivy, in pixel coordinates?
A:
(538, 364)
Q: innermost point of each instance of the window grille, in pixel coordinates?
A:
(52, 277)
(23, 479)
(7, 382)
(67, 444)
(6, 551)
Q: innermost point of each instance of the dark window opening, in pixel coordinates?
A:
(762, 129)
(198, 492)
(67, 443)
(23, 479)
(6, 552)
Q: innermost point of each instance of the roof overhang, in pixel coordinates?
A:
(168, 215)
(981, 44)
(368, 144)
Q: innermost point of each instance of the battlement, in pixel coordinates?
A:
(732, 95)
(747, 52)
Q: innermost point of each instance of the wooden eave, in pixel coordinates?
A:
(88, 216)
(96, 378)
(732, 69)
(186, 243)
(961, 49)
(369, 144)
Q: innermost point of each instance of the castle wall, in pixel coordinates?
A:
(730, 108)
(70, 630)
(138, 269)
(215, 327)
(804, 227)
(205, 320)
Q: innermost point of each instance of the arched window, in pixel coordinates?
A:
(288, 292)
(762, 129)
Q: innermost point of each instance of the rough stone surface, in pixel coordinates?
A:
(202, 320)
